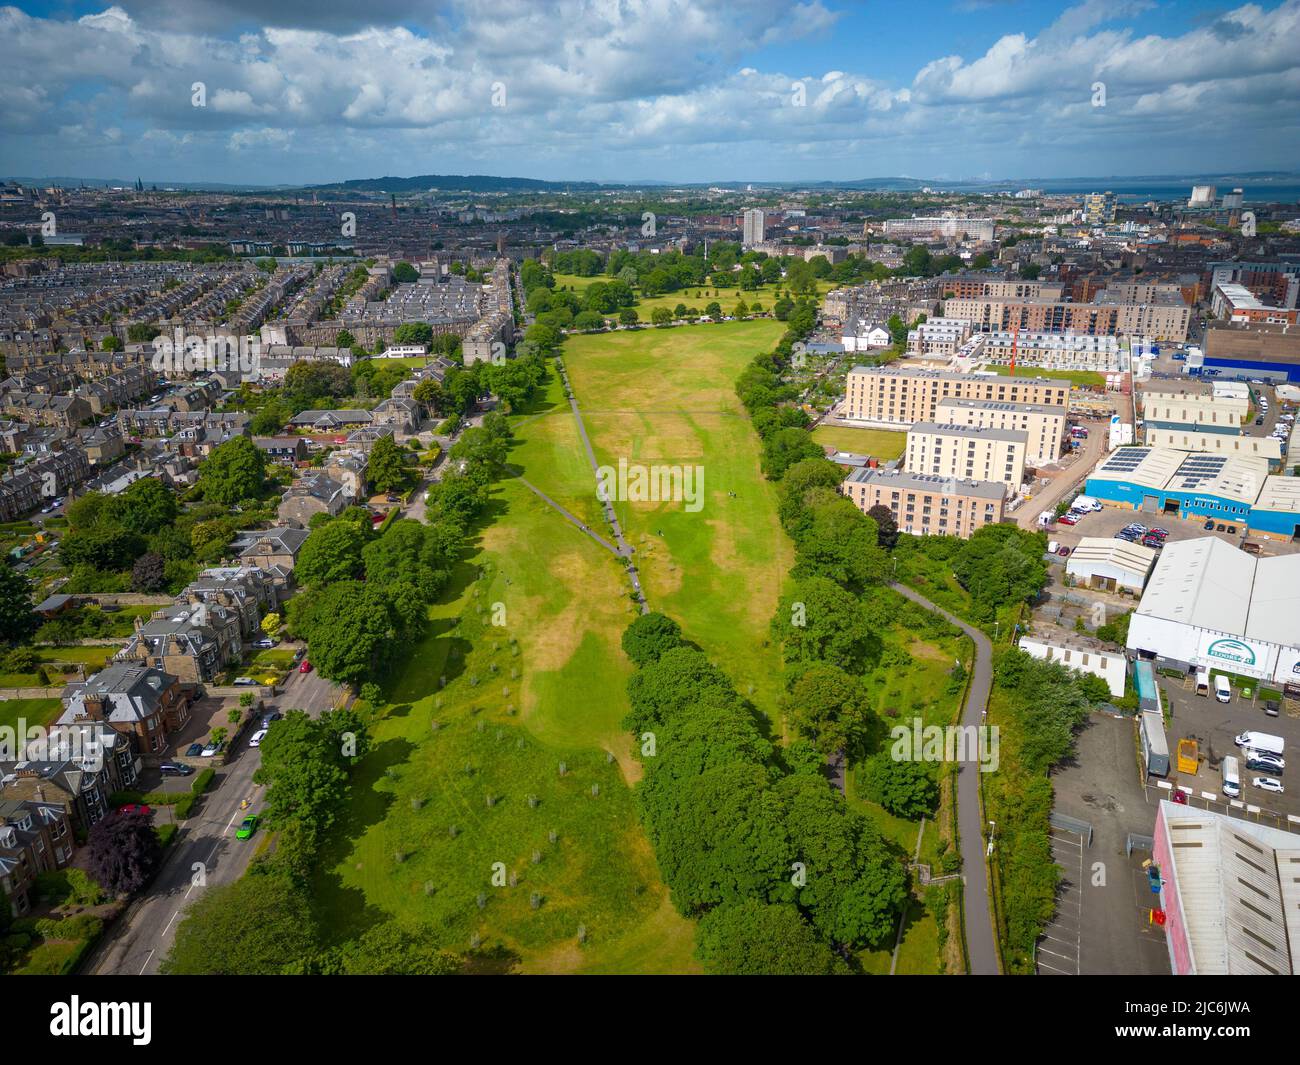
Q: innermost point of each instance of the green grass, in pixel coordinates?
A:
(565, 605)
(34, 711)
(726, 298)
(49, 958)
(92, 657)
(883, 444)
(667, 397)
(1078, 378)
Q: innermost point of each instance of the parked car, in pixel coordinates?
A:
(175, 769)
(1259, 421)
(1151, 540)
(264, 643)
(1209, 526)
(1063, 551)
(1180, 797)
(211, 750)
(1267, 763)
(245, 682)
(1268, 784)
(247, 827)
(255, 740)
(393, 499)
(274, 715)
(135, 808)
(1162, 533)
(1069, 519)
(306, 667)
(194, 750)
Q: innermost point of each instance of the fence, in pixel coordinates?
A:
(1072, 824)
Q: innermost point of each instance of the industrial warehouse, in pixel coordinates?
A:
(1211, 605)
(1225, 487)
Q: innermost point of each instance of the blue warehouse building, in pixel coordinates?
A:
(1231, 489)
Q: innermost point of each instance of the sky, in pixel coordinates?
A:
(312, 91)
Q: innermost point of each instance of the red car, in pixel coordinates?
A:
(305, 667)
(1063, 551)
(1068, 519)
(134, 808)
(1180, 797)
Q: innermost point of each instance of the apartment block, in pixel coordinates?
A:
(938, 336)
(968, 452)
(1166, 318)
(1044, 425)
(1053, 351)
(902, 395)
(924, 504)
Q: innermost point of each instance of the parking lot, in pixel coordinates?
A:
(1102, 917)
(1213, 725)
(1108, 521)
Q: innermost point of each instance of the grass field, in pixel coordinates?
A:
(34, 711)
(519, 700)
(667, 397)
(879, 443)
(727, 298)
(1080, 378)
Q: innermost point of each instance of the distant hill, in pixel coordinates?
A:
(458, 183)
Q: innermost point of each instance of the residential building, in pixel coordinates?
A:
(925, 504)
(1043, 423)
(968, 452)
(898, 396)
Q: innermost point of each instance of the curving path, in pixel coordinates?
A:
(981, 944)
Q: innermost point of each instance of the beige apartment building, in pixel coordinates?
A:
(1163, 319)
(968, 452)
(924, 504)
(898, 395)
(1043, 424)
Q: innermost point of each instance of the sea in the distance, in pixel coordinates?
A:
(1141, 191)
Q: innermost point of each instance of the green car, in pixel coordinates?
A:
(247, 827)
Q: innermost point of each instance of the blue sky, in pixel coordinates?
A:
(685, 90)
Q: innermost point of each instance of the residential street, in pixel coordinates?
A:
(205, 852)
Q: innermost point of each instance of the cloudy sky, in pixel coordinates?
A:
(305, 91)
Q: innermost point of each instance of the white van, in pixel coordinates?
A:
(1231, 777)
(1261, 741)
(1222, 689)
(1085, 504)
(1203, 682)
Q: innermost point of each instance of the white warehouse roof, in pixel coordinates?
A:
(1209, 584)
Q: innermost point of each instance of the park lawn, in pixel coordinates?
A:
(883, 444)
(35, 712)
(726, 298)
(513, 703)
(918, 953)
(667, 397)
(92, 657)
(1078, 378)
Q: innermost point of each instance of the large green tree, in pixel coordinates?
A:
(254, 926)
(233, 472)
(754, 938)
(17, 621)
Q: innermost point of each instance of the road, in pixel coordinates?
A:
(1086, 458)
(981, 945)
(205, 853)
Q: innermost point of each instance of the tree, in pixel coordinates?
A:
(413, 333)
(783, 448)
(149, 573)
(385, 467)
(906, 788)
(344, 339)
(838, 541)
(405, 273)
(305, 773)
(124, 851)
(819, 621)
(271, 624)
(147, 506)
(331, 553)
(111, 343)
(661, 316)
(649, 636)
(233, 472)
(255, 926)
(628, 316)
(17, 620)
(391, 949)
(829, 708)
(350, 627)
(413, 553)
(886, 526)
(754, 938)
(106, 547)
